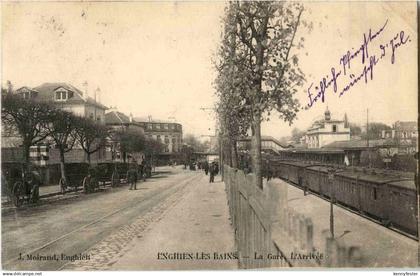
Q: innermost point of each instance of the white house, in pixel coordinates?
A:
(326, 131)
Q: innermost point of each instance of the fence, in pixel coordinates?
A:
(269, 234)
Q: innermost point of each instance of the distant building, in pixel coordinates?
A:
(326, 131)
(118, 121)
(168, 133)
(66, 97)
(406, 132)
(403, 133)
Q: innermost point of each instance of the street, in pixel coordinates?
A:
(74, 225)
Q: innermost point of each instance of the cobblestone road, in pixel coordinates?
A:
(99, 224)
(104, 254)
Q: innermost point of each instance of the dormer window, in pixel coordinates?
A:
(26, 95)
(61, 96)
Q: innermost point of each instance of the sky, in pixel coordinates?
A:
(155, 58)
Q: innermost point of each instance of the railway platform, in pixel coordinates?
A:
(381, 247)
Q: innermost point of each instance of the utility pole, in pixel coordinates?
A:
(331, 175)
(417, 157)
(367, 135)
(97, 90)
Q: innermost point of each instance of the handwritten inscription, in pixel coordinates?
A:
(317, 91)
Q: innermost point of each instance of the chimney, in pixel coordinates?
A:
(131, 117)
(85, 93)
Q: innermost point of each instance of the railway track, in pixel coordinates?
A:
(347, 208)
(151, 198)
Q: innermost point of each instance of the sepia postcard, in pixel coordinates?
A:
(209, 135)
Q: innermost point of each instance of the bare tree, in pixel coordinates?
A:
(28, 119)
(61, 130)
(91, 136)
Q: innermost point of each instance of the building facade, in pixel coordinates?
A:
(66, 97)
(168, 133)
(118, 121)
(326, 131)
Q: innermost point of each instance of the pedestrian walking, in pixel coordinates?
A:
(142, 170)
(212, 171)
(216, 168)
(132, 178)
(206, 167)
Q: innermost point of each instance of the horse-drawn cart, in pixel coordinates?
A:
(19, 184)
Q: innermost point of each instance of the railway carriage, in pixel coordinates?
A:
(388, 198)
(402, 204)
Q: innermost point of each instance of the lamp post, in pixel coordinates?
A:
(331, 175)
(416, 156)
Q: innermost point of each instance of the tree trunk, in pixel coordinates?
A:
(62, 165)
(26, 149)
(234, 154)
(88, 157)
(256, 150)
(228, 153)
(221, 158)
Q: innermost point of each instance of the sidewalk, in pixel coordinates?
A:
(381, 247)
(188, 236)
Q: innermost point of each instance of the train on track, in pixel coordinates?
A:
(387, 196)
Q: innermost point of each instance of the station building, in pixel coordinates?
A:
(326, 131)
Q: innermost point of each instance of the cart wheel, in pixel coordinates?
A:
(63, 185)
(18, 194)
(115, 179)
(35, 194)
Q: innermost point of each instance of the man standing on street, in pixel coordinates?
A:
(206, 167)
(132, 178)
(212, 171)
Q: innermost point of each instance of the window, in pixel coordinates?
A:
(98, 118)
(171, 126)
(91, 116)
(26, 95)
(157, 126)
(334, 128)
(149, 126)
(166, 139)
(165, 126)
(61, 95)
(375, 196)
(158, 138)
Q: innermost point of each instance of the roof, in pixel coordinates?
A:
(316, 150)
(146, 120)
(357, 144)
(116, 118)
(11, 141)
(321, 123)
(406, 125)
(406, 184)
(377, 176)
(268, 138)
(46, 93)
